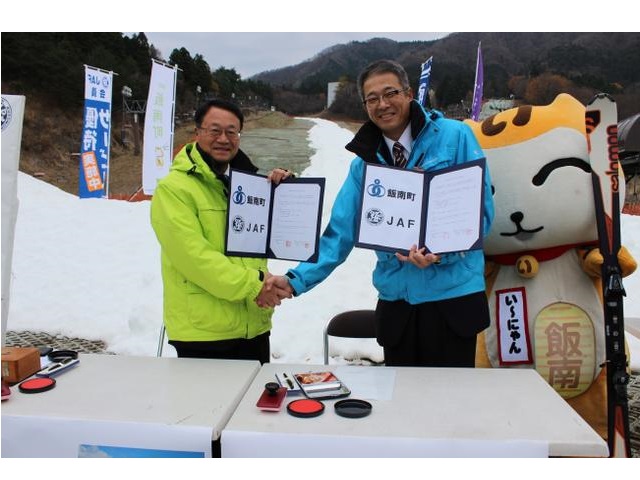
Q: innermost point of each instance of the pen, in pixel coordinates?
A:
(289, 382)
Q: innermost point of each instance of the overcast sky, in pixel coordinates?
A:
(251, 53)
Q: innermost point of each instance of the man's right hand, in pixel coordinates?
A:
(281, 282)
(274, 289)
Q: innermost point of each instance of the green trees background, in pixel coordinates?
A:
(531, 67)
(51, 65)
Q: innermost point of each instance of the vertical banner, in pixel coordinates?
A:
(96, 134)
(12, 115)
(158, 125)
(423, 88)
(476, 106)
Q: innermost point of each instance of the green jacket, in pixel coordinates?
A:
(207, 296)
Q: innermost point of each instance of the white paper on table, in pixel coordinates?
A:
(33, 436)
(368, 383)
(243, 443)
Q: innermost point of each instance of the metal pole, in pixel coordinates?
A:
(123, 120)
(173, 111)
(160, 342)
(136, 135)
(106, 175)
(101, 70)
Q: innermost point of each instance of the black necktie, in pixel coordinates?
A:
(226, 182)
(399, 159)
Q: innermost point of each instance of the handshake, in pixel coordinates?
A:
(274, 289)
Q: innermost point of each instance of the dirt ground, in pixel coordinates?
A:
(49, 148)
(271, 139)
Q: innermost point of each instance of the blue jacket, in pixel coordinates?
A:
(438, 143)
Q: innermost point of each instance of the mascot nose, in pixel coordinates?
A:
(516, 217)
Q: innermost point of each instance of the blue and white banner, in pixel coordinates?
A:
(12, 115)
(158, 125)
(423, 88)
(96, 134)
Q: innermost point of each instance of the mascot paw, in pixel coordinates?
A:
(628, 264)
(592, 263)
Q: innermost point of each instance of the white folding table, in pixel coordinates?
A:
(430, 412)
(112, 405)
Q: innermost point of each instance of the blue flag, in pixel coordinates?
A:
(425, 77)
(96, 134)
(476, 106)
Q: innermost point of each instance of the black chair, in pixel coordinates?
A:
(349, 324)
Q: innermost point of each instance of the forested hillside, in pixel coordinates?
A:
(50, 65)
(48, 69)
(528, 67)
(533, 67)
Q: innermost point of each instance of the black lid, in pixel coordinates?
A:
(37, 385)
(57, 355)
(305, 408)
(353, 408)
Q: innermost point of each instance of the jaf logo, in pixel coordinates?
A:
(375, 189)
(237, 224)
(374, 216)
(239, 196)
(7, 113)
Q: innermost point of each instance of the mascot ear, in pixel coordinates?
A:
(524, 122)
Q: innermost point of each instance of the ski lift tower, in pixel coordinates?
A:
(134, 107)
(126, 93)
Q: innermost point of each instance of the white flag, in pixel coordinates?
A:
(12, 115)
(158, 126)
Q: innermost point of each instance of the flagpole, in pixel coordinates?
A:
(111, 72)
(166, 64)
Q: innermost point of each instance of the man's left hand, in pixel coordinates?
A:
(418, 257)
(277, 175)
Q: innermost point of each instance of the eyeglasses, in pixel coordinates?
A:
(217, 132)
(374, 100)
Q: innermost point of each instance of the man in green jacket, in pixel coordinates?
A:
(215, 306)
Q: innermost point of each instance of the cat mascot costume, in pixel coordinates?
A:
(542, 259)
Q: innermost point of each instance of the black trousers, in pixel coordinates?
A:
(256, 348)
(432, 334)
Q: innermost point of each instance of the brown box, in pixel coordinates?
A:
(19, 363)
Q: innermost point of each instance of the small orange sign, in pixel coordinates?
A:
(91, 172)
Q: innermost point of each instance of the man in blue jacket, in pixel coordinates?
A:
(430, 307)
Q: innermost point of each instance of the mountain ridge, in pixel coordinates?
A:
(599, 60)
